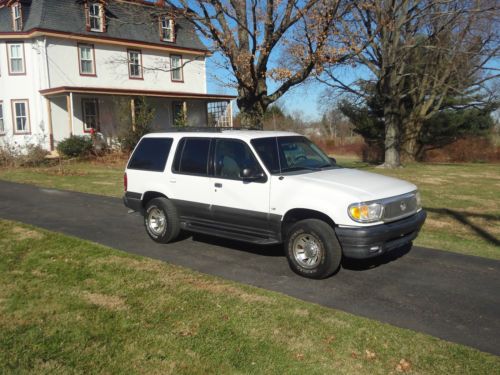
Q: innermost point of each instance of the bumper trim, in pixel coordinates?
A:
(368, 242)
(133, 201)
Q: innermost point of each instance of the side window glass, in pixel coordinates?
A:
(231, 157)
(268, 152)
(194, 159)
(151, 154)
(177, 160)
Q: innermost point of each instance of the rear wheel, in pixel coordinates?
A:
(312, 249)
(161, 220)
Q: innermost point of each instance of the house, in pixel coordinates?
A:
(70, 66)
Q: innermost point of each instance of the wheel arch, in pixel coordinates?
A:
(297, 214)
(149, 195)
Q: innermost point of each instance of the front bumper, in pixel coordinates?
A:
(368, 242)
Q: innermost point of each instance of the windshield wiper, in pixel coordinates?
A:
(291, 169)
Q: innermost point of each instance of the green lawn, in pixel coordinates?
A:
(71, 306)
(461, 199)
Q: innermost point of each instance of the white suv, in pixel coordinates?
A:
(266, 188)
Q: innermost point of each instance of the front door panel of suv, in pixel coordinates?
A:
(238, 205)
(189, 181)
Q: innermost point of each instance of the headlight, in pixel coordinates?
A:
(418, 198)
(365, 213)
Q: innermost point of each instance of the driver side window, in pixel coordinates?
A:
(231, 157)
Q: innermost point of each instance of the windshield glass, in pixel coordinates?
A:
(289, 154)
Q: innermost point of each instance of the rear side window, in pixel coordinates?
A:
(151, 154)
(192, 156)
(268, 152)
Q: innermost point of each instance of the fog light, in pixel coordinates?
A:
(374, 248)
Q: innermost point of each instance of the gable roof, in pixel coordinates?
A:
(125, 20)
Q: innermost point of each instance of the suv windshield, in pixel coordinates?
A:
(287, 154)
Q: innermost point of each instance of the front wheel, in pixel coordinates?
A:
(161, 220)
(312, 249)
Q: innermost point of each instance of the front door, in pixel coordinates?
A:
(240, 205)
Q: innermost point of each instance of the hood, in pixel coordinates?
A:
(364, 185)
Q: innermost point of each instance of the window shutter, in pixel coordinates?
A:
(103, 17)
(160, 31)
(87, 16)
(174, 31)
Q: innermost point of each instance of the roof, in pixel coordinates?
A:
(131, 92)
(239, 134)
(125, 20)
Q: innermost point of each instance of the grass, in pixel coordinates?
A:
(461, 199)
(71, 306)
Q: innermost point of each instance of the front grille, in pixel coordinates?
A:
(399, 207)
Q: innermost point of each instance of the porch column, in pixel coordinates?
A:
(51, 131)
(69, 109)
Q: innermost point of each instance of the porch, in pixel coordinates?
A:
(78, 110)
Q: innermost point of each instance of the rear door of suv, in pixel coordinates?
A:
(189, 182)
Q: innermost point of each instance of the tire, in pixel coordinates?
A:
(161, 220)
(312, 249)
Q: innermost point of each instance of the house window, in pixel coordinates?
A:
(20, 110)
(16, 58)
(176, 68)
(134, 64)
(2, 126)
(179, 114)
(96, 17)
(86, 59)
(17, 17)
(90, 114)
(167, 29)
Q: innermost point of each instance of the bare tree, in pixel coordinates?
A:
(420, 54)
(252, 35)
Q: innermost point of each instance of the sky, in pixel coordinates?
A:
(309, 98)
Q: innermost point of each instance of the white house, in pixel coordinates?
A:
(69, 66)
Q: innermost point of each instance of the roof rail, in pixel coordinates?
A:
(208, 129)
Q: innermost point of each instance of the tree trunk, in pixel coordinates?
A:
(392, 139)
(392, 156)
(251, 112)
(409, 146)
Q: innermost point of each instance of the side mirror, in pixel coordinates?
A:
(333, 160)
(248, 174)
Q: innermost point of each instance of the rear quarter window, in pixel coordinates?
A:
(151, 154)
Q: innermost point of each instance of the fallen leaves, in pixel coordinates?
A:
(370, 355)
(403, 366)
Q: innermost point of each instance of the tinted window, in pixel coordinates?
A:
(194, 158)
(231, 157)
(151, 154)
(268, 153)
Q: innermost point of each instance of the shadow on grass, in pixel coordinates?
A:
(463, 218)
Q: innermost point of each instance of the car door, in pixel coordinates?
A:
(189, 182)
(240, 205)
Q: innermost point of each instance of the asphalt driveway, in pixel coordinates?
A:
(451, 296)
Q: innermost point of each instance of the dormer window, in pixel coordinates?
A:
(167, 29)
(17, 17)
(95, 17)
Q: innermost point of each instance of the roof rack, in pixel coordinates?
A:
(208, 129)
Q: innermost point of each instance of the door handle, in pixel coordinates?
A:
(218, 185)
